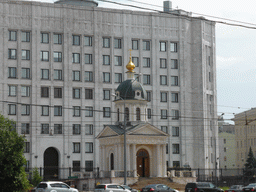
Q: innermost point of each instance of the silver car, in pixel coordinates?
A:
(54, 186)
(110, 188)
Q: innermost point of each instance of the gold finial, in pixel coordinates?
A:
(130, 66)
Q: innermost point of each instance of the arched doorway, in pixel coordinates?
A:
(143, 163)
(51, 164)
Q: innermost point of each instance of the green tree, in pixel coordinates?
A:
(250, 164)
(36, 178)
(12, 172)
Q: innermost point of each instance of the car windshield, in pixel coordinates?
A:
(126, 187)
(203, 185)
(100, 187)
(252, 185)
(42, 185)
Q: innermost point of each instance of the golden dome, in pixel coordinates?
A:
(130, 66)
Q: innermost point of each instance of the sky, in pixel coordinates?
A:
(235, 47)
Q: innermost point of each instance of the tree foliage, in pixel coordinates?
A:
(250, 164)
(36, 178)
(12, 172)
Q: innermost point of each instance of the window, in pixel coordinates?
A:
(12, 90)
(174, 47)
(175, 97)
(137, 114)
(175, 148)
(106, 112)
(88, 147)
(163, 63)
(25, 36)
(106, 77)
(149, 113)
(146, 45)
(176, 164)
(57, 128)
(25, 91)
(106, 60)
(106, 42)
(76, 129)
(44, 55)
(12, 72)
(148, 95)
(163, 96)
(12, 109)
(118, 60)
(224, 141)
(88, 93)
(88, 76)
(25, 54)
(88, 165)
(210, 77)
(57, 92)
(57, 110)
(135, 61)
(106, 94)
(175, 114)
(174, 63)
(24, 128)
(25, 73)
(25, 109)
(164, 129)
(45, 129)
(44, 37)
(88, 111)
(137, 77)
(163, 114)
(57, 74)
(45, 74)
(225, 149)
(57, 38)
(88, 41)
(27, 147)
(76, 75)
(135, 44)
(45, 110)
(12, 35)
(175, 131)
(174, 80)
(118, 78)
(146, 62)
(76, 166)
(88, 58)
(88, 129)
(76, 111)
(167, 149)
(75, 57)
(163, 80)
(57, 56)
(76, 147)
(117, 43)
(76, 40)
(12, 54)
(162, 46)
(76, 93)
(146, 79)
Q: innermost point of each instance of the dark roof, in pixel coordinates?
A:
(127, 89)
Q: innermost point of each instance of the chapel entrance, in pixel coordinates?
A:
(51, 164)
(143, 163)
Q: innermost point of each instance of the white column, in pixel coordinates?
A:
(134, 163)
(158, 152)
(103, 158)
(120, 158)
(164, 171)
(128, 158)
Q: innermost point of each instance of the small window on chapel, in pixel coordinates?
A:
(138, 93)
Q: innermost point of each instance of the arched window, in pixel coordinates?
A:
(127, 114)
(112, 161)
(118, 118)
(137, 114)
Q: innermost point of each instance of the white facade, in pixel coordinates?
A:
(182, 91)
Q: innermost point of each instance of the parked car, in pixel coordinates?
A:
(54, 186)
(202, 187)
(157, 188)
(110, 188)
(235, 188)
(129, 188)
(250, 187)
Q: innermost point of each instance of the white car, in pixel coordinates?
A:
(110, 188)
(54, 186)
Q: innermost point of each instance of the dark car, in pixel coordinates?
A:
(235, 188)
(157, 188)
(202, 187)
(250, 187)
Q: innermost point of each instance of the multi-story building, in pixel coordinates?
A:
(245, 135)
(61, 63)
